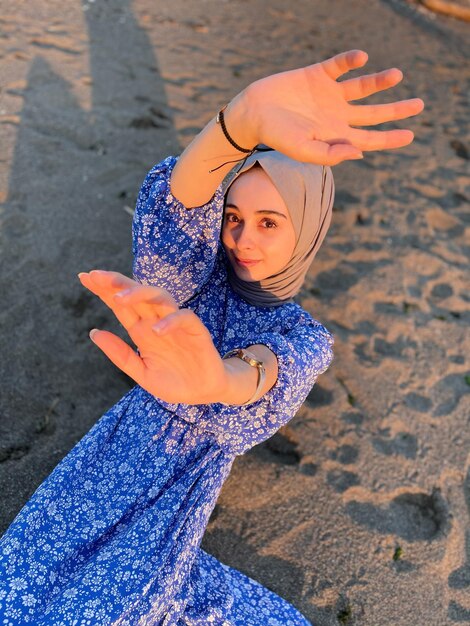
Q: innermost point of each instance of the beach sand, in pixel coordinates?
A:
(358, 511)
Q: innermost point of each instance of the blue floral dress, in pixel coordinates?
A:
(112, 536)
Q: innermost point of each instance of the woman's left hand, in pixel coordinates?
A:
(178, 362)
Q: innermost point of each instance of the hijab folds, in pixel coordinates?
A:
(308, 191)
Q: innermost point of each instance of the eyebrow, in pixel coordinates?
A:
(234, 206)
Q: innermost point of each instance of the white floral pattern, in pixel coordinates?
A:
(112, 536)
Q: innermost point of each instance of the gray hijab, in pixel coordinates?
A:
(308, 191)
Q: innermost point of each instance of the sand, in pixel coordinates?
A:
(358, 511)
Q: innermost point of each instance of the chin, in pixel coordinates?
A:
(245, 274)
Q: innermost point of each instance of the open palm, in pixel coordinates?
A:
(306, 114)
(178, 364)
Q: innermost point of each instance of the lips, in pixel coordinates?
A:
(246, 261)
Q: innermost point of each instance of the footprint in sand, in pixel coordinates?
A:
(404, 444)
(345, 275)
(319, 396)
(417, 402)
(345, 454)
(459, 579)
(393, 349)
(342, 480)
(449, 391)
(411, 516)
(282, 449)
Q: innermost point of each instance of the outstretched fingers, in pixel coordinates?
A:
(363, 86)
(125, 315)
(105, 284)
(119, 353)
(116, 280)
(371, 114)
(129, 300)
(381, 139)
(181, 320)
(323, 153)
(150, 302)
(344, 62)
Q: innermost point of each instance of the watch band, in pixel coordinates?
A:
(251, 359)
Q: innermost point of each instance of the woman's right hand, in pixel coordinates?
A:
(306, 114)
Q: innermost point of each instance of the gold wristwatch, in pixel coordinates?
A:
(251, 359)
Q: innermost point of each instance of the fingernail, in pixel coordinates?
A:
(359, 155)
(92, 332)
(160, 326)
(122, 293)
(80, 274)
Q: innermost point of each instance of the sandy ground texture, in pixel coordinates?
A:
(358, 511)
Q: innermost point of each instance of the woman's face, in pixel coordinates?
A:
(256, 227)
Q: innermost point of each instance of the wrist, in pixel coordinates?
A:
(241, 382)
(240, 120)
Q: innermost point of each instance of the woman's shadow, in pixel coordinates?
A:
(73, 183)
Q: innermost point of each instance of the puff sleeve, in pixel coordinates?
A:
(303, 353)
(174, 247)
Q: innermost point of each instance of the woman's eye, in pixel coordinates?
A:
(270, 224)
(267, 223)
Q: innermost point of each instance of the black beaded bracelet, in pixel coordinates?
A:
(220, 120)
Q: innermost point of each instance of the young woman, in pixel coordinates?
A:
(225, 357)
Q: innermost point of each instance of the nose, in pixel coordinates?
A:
(244, 238)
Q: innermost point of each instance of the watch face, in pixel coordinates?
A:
(251, 358)
(246, 356)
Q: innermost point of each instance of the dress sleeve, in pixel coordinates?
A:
(174, 247)
(303, 353)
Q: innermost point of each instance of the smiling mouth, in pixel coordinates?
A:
(245, 262)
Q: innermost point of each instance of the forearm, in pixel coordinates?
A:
(242, 378)
(191, 181)
(304, 114)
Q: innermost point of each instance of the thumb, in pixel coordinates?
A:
(119, 353)
(323, 153)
